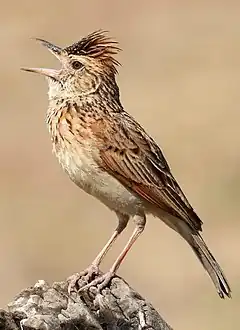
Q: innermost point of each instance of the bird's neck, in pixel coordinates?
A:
(105, 98)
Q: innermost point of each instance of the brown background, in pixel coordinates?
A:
(181, 79)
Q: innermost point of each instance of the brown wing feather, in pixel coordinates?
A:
(137, 162)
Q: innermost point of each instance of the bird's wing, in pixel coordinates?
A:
(129, 154)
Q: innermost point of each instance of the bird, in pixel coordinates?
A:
(110, 156)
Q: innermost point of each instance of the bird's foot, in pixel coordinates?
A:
(81, 279)
(100, 282)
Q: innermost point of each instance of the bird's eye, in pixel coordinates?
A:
(76, 65)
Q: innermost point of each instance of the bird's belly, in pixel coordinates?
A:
(85, 172)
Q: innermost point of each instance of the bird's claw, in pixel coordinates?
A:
(100, 282)
(83, 277)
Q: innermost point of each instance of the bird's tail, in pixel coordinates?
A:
(201, 250)
(209, 262)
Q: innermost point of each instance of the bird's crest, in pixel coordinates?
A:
(96, 45)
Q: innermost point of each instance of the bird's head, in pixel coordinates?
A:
(85, 66)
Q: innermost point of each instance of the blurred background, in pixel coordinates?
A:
(180, 77)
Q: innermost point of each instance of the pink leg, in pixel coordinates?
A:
(104, 280)
(123, 220)
(99, 258)
(137, 231)
(93, 269)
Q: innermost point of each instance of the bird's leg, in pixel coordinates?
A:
(93, 269)
(104, 280)
(140, 225)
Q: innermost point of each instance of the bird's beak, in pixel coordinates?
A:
(46, 72)
(56, 51)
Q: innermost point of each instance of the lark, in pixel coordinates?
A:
(108, 154)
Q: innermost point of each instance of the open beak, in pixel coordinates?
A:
(56, 51)
(46, 72)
